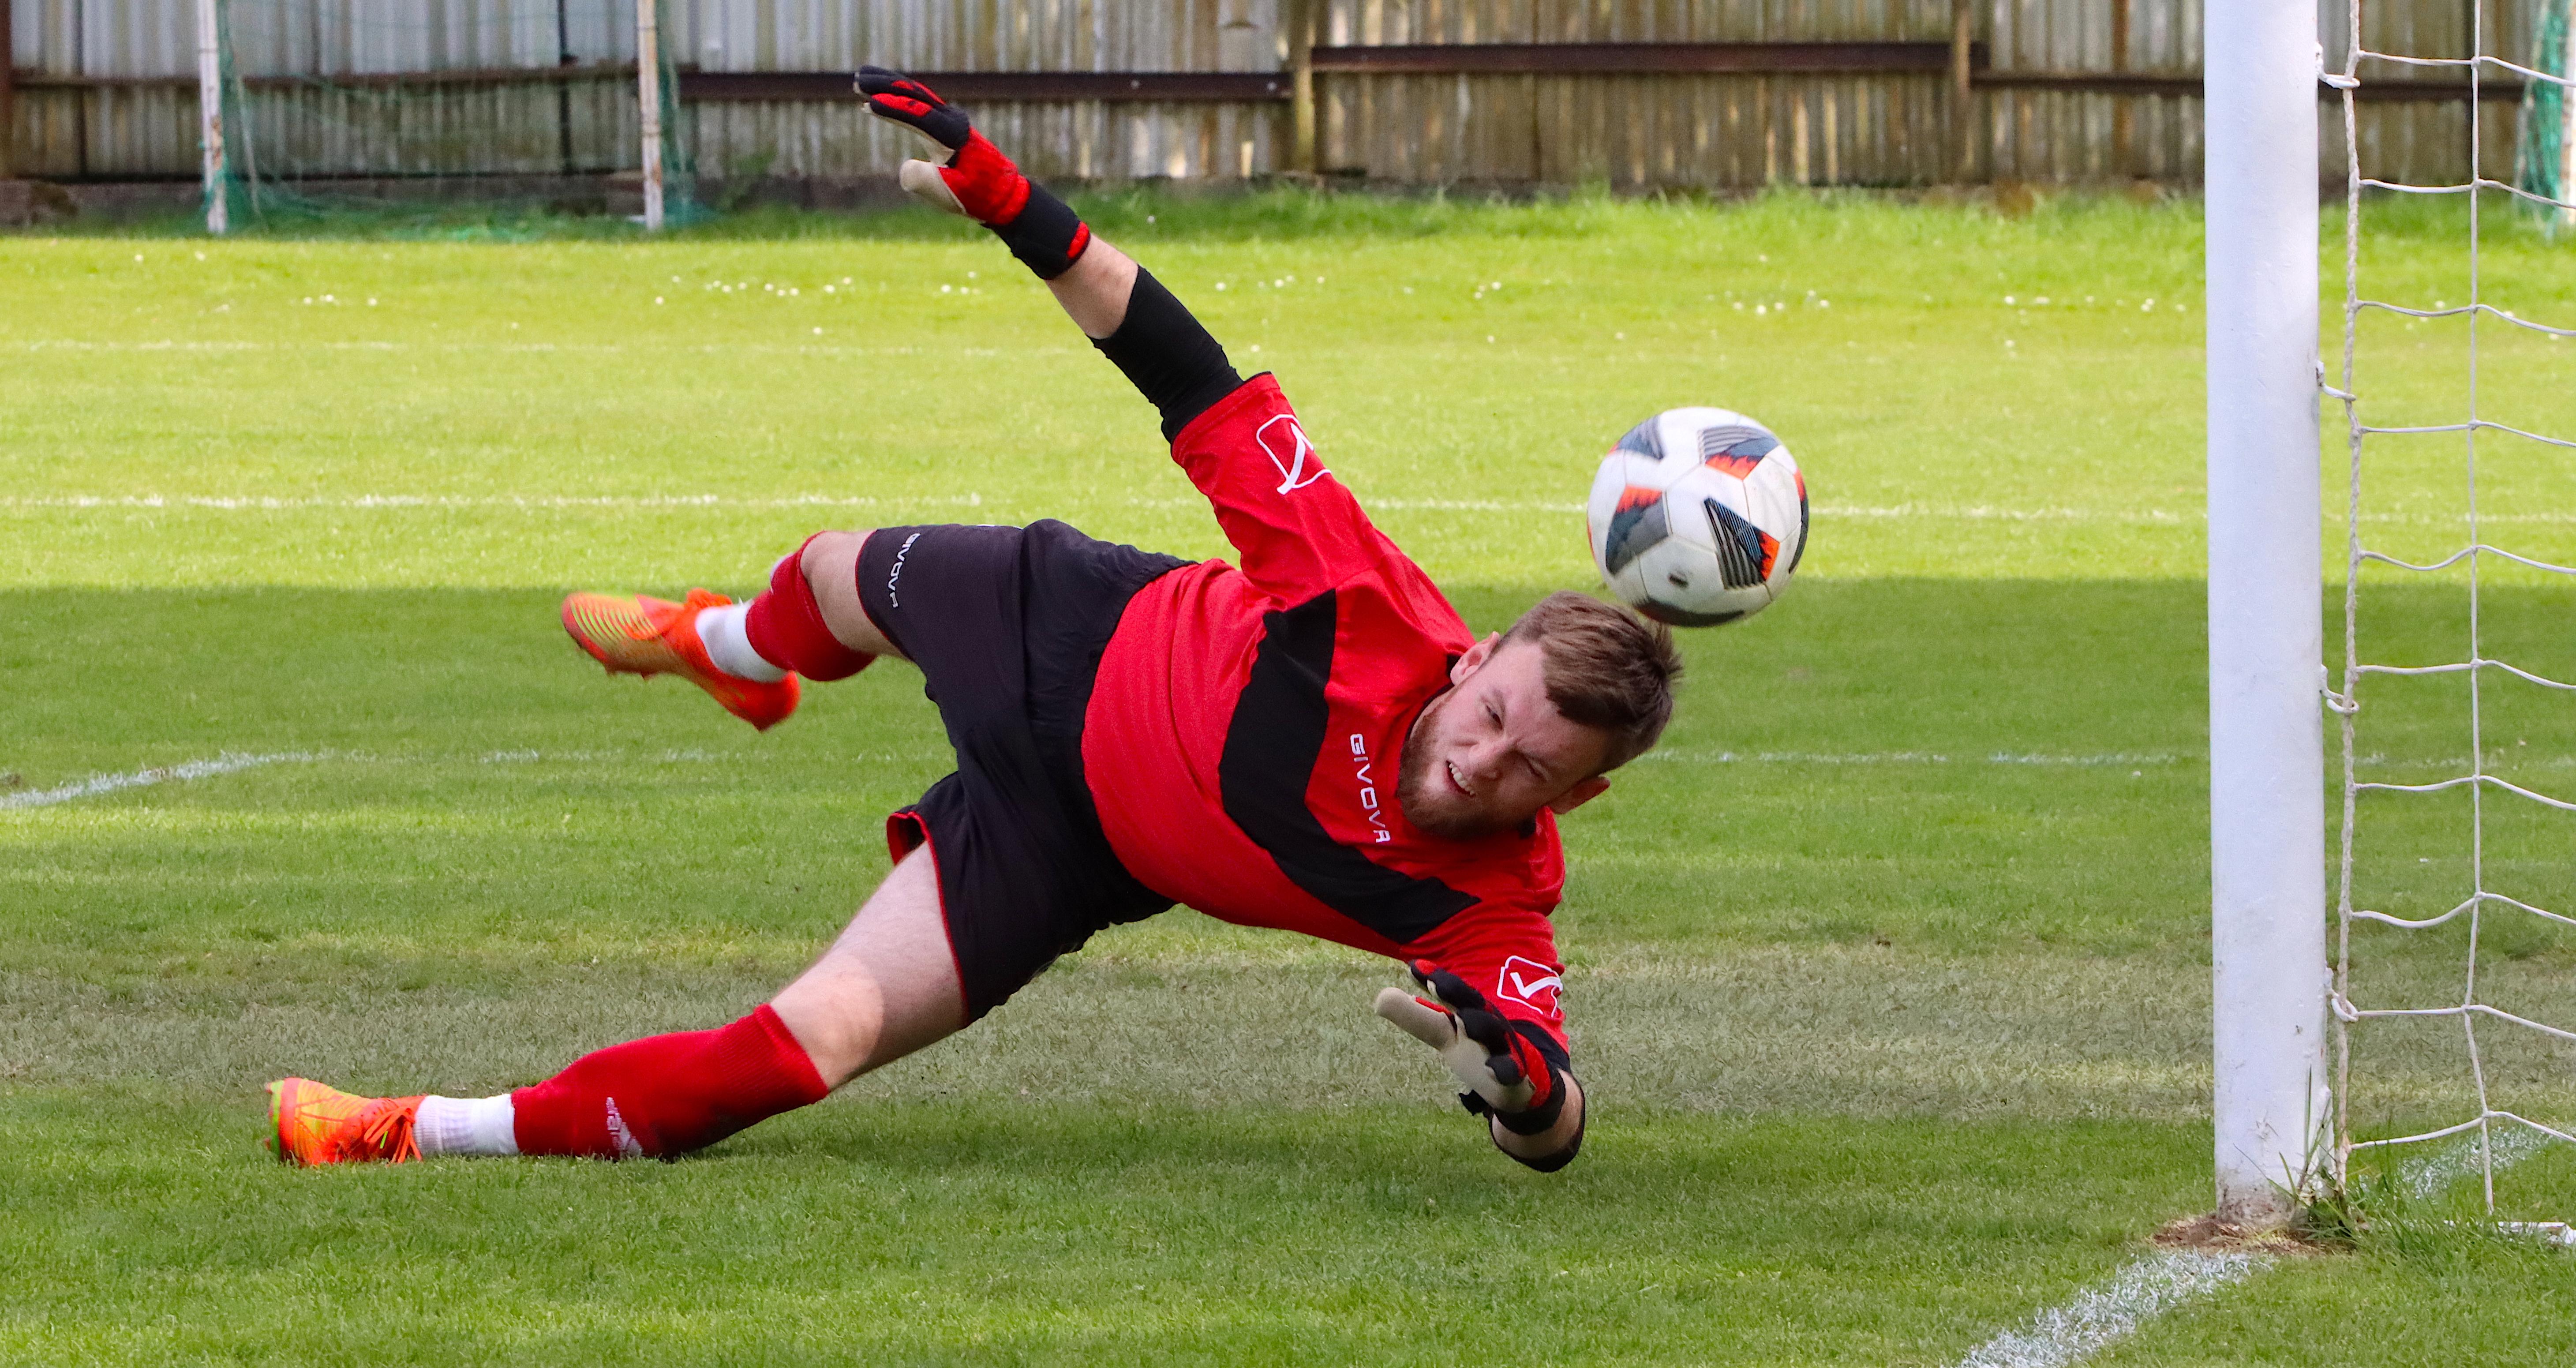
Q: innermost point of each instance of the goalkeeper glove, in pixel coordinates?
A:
(976, 181)
(1505, 1072)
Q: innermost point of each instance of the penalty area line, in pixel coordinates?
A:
(233, 762)
(1687, 756)
(2103, 1315)
(2109, 1312)
(227, 763)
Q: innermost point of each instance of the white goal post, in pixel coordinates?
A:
(2269, 972)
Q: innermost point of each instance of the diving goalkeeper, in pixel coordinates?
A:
(1311, 741)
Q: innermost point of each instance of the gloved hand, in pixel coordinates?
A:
(976, 179)
(1503, 1070)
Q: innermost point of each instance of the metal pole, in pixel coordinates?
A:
(648, 91)
(2266, 634)
(2124, 108)
(1301, 85)
(1963, 109)
(8, 93)
(563, 89)
(81, 101)
(210, 113)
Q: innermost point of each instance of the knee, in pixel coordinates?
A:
(829, 567)
(824, 553)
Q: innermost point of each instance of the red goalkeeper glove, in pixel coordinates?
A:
(1506, 1072)
(976, 180)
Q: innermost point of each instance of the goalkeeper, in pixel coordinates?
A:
(1311, 741)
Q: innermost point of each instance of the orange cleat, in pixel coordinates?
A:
(637, 634)
(314, 1124)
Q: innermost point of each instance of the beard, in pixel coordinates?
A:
(1414, 792)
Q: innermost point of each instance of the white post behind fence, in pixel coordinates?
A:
(2266, 621)
(210, 113)
(648, 91)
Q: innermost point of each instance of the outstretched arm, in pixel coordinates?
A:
(1127, 313)
(1094, 290)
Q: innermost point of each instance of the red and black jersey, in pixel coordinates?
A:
(1247, 725)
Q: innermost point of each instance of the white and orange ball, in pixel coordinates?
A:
(1698, 516)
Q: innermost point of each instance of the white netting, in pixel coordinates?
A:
(2496, 888)
(327, 104)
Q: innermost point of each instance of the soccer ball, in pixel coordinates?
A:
(1699, 516)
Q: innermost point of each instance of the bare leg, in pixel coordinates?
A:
(830, 563)
(887, 987)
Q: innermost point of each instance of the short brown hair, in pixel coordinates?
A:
(1605, 668)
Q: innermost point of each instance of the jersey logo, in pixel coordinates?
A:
(1281, 731)
(1363, 771)
(1298, 465)
(894, 577)
(1529, 983)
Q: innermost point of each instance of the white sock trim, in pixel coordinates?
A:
(467, 1125)
(729, 646)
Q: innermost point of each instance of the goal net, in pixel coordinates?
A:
(2453, 996)
(329, 105)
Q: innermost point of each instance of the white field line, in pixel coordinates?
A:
(538, 348)
(692, 756)
(2104, 1314)
(364, 502)
(261, 503)
(2459, 1159)
(2106, 759)
(231, 762)
(226, 763)
(1684, 755)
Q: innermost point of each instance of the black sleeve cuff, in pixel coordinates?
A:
(1169, 356)
(1542, 1118)
(1550, 1163)
(1047, 236)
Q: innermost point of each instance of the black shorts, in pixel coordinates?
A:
(1007, 625)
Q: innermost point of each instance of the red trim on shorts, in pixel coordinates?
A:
(907, 823)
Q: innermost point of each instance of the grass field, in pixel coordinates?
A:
(1888, 974)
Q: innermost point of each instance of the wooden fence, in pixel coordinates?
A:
(1637, 94)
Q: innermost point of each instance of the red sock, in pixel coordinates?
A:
(785, 625)
(666, 1095)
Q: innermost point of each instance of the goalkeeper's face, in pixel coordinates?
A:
(1488, 754)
